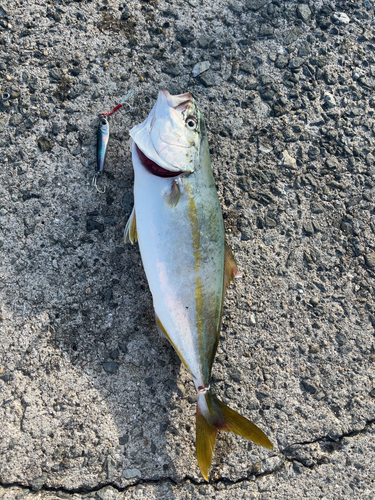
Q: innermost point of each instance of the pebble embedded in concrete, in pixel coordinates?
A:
(200, 68)
(340, 18)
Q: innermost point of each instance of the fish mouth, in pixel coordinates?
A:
(153, 167)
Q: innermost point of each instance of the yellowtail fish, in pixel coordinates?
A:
(178, 223)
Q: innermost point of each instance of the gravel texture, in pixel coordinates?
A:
(93, 404)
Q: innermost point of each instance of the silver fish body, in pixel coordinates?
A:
(182, 250)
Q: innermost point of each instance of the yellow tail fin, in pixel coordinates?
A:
(212, 416)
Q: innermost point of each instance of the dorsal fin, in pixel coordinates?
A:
(230, 267)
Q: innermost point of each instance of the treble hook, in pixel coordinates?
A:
(94, 182)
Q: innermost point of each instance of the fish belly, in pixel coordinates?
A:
(182, 249)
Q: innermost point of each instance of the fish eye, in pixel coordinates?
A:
(191, 122)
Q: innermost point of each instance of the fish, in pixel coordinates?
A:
(178, 224)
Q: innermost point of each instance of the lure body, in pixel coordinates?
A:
(102, 144)
(178, 223)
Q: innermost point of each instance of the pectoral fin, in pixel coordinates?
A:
(130, 234)
(230, 267)
(173, 197)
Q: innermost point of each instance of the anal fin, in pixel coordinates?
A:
(163, 333)
(130, 234)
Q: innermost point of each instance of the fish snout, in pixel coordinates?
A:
(179, 102)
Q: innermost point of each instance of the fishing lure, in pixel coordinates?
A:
(102, 145)
(103, 138)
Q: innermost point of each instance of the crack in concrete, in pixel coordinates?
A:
(333, 440)
(185, 479)
(327, 439)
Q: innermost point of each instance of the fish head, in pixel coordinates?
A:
(168, 141)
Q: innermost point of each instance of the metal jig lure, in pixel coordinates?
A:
(103, 138)
(101, 149)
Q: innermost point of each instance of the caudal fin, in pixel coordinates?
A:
(212, 416)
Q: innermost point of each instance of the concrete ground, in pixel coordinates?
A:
(93, 404)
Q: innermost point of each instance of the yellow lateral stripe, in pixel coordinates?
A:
(193, 216)
(194, 228)
(199, 308)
